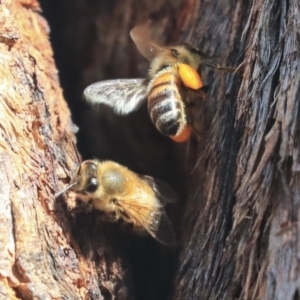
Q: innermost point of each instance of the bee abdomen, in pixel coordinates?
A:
(169, 122)
(164, 105)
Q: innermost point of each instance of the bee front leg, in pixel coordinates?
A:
(195, 123)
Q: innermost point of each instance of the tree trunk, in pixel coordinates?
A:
(241, 219)
(237, 220)
(35, 152)
(37, 258)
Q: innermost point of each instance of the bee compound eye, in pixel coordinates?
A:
(92, 185)
(91, 169)
(174, 52)
(93, 166)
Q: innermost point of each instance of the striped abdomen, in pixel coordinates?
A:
(165, 105)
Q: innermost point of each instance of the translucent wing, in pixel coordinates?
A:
(123, 95)
(162, 191)
(146, 208)
(141, 36)
(152, 218)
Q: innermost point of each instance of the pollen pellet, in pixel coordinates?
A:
(189, 76)
(183, 136)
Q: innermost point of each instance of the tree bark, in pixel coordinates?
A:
(37, 152)
(237, 221)
(241, 219)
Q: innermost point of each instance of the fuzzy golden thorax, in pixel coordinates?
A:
(169, 56)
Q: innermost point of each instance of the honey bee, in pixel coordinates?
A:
(125, 196)
(171, 78)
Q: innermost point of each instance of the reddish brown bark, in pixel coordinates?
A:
(37, 152)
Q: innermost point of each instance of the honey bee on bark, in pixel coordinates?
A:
(172, 76)
(125, 196)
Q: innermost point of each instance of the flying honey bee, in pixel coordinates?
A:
(172, 76)
(125, 196)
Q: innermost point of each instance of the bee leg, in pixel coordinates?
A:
(197, 127)
(200, 93)
(108, 217)
(188, 106)
(189, 118)
(203, 91)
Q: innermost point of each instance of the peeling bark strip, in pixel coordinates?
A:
(267, 185)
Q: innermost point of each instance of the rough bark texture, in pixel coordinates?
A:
(237, 221)
(241, 224)
(35, 137)
(37, 150)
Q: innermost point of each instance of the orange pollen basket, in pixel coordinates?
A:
(189, 76)
(183, 136)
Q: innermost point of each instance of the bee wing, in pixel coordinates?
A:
(163, 192)
(123, 95)
(141, 36)
(153, 219)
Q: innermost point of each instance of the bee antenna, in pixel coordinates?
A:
(217, 67)
(66, 189)
(77, 153)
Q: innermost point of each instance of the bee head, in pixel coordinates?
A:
(186, 54)
(85, 180)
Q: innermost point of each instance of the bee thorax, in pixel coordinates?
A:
(113, 182)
